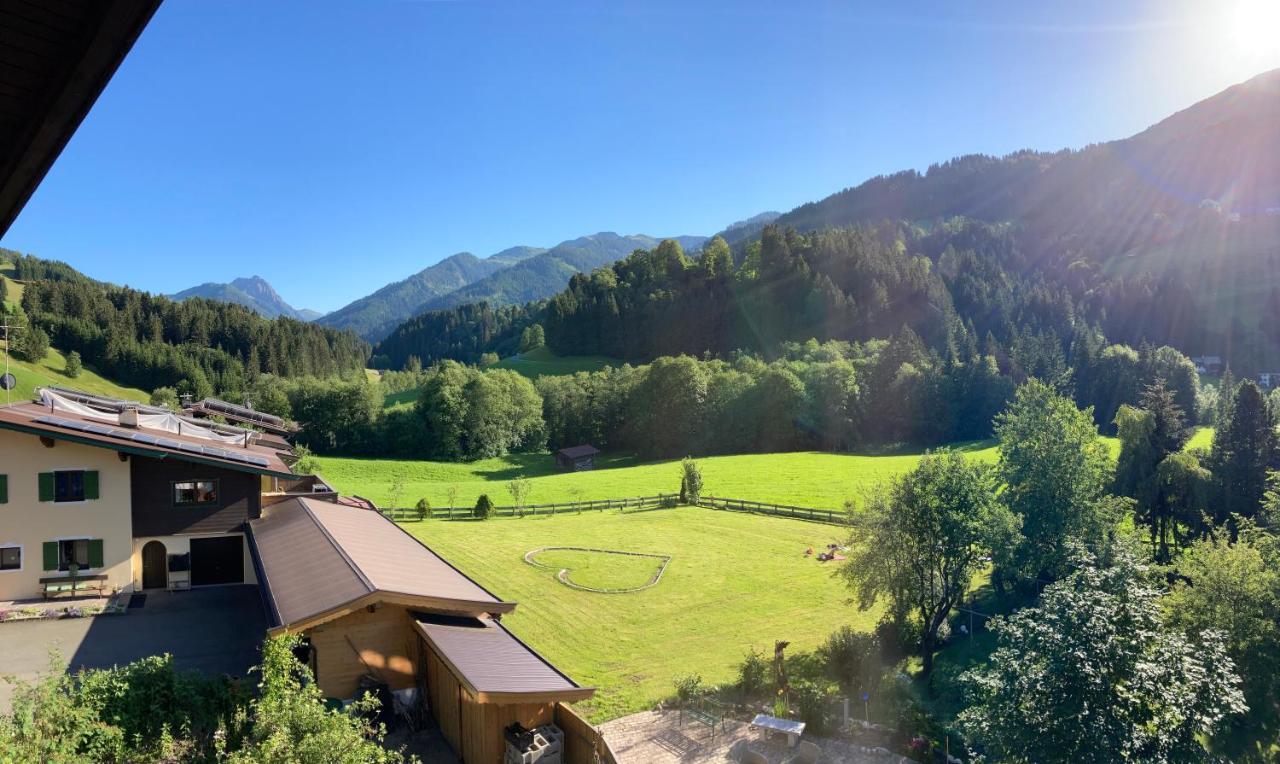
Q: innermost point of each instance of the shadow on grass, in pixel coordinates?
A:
(541, 465)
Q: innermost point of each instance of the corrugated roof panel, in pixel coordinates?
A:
(489, 658)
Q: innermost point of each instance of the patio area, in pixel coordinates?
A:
(658, 736)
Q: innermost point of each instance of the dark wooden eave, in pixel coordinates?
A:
(56, 56)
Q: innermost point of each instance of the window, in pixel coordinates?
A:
(73, 551)
(195, 493)
(11, 558)
(68, 486)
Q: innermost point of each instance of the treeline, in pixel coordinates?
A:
(198, 346)
(835, 395)
(464, 333)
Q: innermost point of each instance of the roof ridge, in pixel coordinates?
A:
(306, 507)
(435, 554)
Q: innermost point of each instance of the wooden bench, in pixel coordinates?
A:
(55, 585)
(706, 713)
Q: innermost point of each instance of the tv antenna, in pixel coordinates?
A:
(7, 380)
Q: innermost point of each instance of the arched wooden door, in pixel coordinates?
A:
(155, 569)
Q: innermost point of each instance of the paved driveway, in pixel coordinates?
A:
(217, 630)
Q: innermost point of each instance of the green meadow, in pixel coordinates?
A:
(734, 582)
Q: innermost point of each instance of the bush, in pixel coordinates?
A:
(423, 508)
(306, 463)
(812, 702)
(668, 502)
(690, 481)
(484, 507)
(753, 674)
(850, 658)
(688, 687)
(165, 396)
(73, 364)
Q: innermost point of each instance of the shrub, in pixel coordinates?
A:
(753, 673)
(423, 508)
(306, 463)
(165, 396)
(690, 481)
(688, 687)
(850, 658)
(812, 701)
(74, 364)
(484, 507)
(668, 502)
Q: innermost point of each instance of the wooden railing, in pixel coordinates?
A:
(583, 743)
(832, 516)
(657, 501)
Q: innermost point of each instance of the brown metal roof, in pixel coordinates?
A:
(23, 417)
(318, 560)
(577, 452)
(493, 664)
(55, 59)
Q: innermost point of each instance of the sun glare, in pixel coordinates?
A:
(1255, 26)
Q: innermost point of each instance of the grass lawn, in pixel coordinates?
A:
(735, 581)
(540, 362)
(811, 479)
(52, 371)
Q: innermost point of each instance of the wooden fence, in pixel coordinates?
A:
(533, 510)
(832, 516)
(583, 743)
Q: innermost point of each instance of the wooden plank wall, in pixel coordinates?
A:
(483, 723)
(444, 694)
(581, 740)
(385, 640)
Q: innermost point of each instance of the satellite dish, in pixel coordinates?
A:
(8, 382)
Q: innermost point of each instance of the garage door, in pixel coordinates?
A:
(217, 561)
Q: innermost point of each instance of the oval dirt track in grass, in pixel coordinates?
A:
(604, 571)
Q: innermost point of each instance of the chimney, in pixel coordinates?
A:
(129, 417)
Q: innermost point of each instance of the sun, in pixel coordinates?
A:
(1255, 27)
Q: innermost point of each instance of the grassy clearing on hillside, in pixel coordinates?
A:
(52, 371)
(1203, 438)
(810, 479)
(734, 582)
(540, 362)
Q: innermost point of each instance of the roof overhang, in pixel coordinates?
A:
(139, 450)
(569, 694)
(410, 601)
(70, 50)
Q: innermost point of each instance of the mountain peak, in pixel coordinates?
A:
(253, 292)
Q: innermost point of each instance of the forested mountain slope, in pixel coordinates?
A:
(1169, 237)
(148, 341)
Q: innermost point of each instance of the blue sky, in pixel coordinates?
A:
(334, 147)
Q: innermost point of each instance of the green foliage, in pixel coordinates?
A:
(1092, 675)
(922, 540)
(423, 509)
(30, 343)
(851, 659)
(812, 701)
(291, 723)
(532, 338)
(1245, 449)
(165, 396)
(338, 415)
(484, 507)
(1235, 588)
(74, 365)
(688, 687)
(471, 414)
(519, 488)
(1055, 471)
(753, 674)
(306, 463)
(143, 711)
(690, 481)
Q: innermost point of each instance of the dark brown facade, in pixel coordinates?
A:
(239, 498)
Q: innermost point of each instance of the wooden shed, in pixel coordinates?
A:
(577, 458)
(374, 601)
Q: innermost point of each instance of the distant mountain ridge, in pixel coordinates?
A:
(253, 293)
(514, 275)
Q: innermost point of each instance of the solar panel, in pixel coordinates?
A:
(152, 440)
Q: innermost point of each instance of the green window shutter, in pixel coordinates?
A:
(4, 489)
(95, 553)
(50, 555)
(46, 486)
(91, 484)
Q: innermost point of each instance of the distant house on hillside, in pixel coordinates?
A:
(577, 458)
(1269, 380)
(1208, 364)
